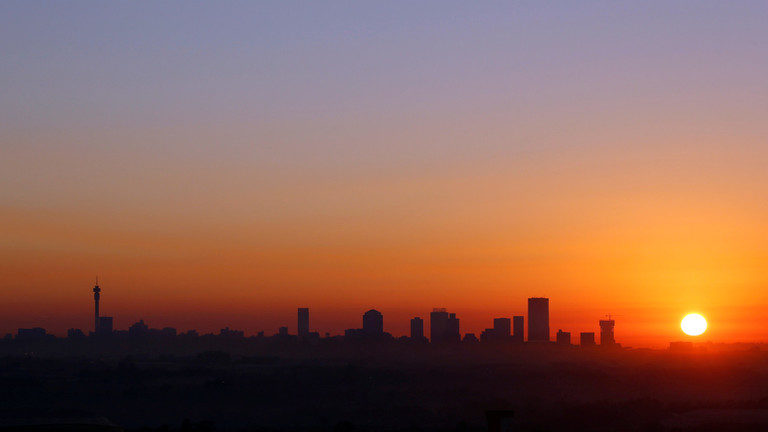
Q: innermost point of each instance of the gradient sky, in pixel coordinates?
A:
(224, 163)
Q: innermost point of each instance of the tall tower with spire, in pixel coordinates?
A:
(96, 297)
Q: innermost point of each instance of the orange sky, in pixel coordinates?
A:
(660, 237)
(612, 158)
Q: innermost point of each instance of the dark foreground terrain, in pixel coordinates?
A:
(396, 388)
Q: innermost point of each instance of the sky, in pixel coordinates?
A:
(221, 164)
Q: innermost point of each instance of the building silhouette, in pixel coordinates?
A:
(234, 334)
(303, 324)
(102, 325)
(75, 333)
(502, 327)
(105, 327)
(438, 325)
(454, 334)
(443, 326)
(563, 338)
(538, 319)
(587, 339)
(501, 331)
(96, 298)
(469, 338)
(606, 332)
(417, 328)
(518, 329)
(31, 334)
(373, 323)
(138, 329)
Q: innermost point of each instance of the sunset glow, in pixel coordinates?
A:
(693, 324)
(391, 157)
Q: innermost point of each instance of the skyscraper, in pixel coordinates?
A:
(587, 339)
(563, 338)
(438, 325)
(538, 319)
(518, 329)
(417, 329)
(502, 328)
(454, 335)
(606, 332)
(443, 327)
(303, 328)
(373, 323)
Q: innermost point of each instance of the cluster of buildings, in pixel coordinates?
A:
(443, 328)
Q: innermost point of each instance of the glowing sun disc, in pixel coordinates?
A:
(693, 324)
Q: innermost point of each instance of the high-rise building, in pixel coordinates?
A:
(96, 298)
(438, 325)
(501, 331)
(417, 329)
(454, 334)
(373, 323)
(563, 338)
(587, 339)
(502, 328)
(303, 322)
(518, 329)
(606, 332)
(443, 327)
(538, 319)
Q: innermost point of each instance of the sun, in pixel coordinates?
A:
(693, 324)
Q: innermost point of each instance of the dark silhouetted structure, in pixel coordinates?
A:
(75, 333)
(373, 323)
(27, 334)
(538, 319)
(563, 338)
(96, 298)
(518, 329)
(417, 328)
(139, 329)
(606, 332)
(438, 325)
(587, 339)
(235, 334)
(443, 327)
(105, 327)
(303, 327)
(454, 334)
(501, 331)
(502, 327)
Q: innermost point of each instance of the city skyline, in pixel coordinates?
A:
(334, 216)
(443, 327)
(478, 326)
(220, 165)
